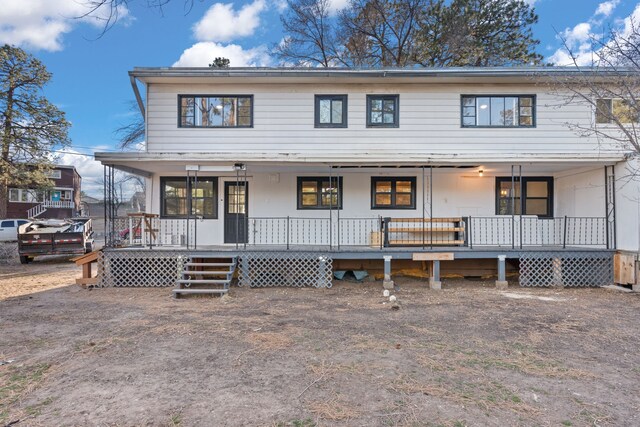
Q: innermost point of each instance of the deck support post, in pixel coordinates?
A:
(387, 283)
(502, 283)
(434, 280)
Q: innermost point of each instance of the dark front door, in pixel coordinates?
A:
(236, 203)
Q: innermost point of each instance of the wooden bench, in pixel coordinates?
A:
(423, 231)
(86, 261)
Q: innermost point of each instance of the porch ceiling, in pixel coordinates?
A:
(146, 164)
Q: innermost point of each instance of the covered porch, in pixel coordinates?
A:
(367, 207)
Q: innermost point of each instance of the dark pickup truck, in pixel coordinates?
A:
(54, 237)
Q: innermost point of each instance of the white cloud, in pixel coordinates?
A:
(222, 23)
(579, 39)
(203, 53)
(41, 24)
(281, 5)
(606, 8)
(337, 5)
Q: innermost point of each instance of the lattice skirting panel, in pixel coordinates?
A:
(143, 268)
(299, 269)
(566, 269)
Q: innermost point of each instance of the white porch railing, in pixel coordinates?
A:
(133, 231)
(61, 204)
(374, 233)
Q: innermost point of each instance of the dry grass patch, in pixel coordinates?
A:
(16, 382)
(270, 341)
(336, 409)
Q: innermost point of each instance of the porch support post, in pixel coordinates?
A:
(502, 283)
(513, 209)
(387, 283)
(236, 201)
(423, 207)
(431, 207)
(434, 280)
(521, 202)
(330, 204)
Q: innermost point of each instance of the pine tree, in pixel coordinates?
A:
(31, 126)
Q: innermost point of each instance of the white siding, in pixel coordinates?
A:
(429, 122)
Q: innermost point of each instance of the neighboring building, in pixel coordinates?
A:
(61, 201)
(360, 164)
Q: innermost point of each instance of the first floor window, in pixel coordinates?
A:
(181, 197)
(382, 110)
(498, 111)
(393, 192)
(319, 193)
(216, 111)
(536, 197)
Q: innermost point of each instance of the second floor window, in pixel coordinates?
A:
(498, 111)
(608, 109)
(382, 111)
(215, 111)
(331, 111)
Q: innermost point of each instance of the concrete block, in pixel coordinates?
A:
(502, 284)
(435, 284)
(388, 284)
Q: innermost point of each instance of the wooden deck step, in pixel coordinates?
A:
(206, 273)
(209, 264)
(199, 291)
(426, 230)
(203, 281)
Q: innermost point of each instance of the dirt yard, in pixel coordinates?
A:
(464, 356)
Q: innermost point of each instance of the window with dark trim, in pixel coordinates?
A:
(215, 111)
(331, 111)
(179, 196)
(608, 109)
(318, 193)
(393, 192)
(498, 111)
(382, 111)
(536, 198)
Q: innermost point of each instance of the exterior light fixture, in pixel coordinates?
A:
(238, 166)
(481, 172)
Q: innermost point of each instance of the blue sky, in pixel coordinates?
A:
(90, 80)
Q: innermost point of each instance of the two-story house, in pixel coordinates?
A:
(407, 164)
(60, 201)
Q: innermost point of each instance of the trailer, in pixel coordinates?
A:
(55, 237)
